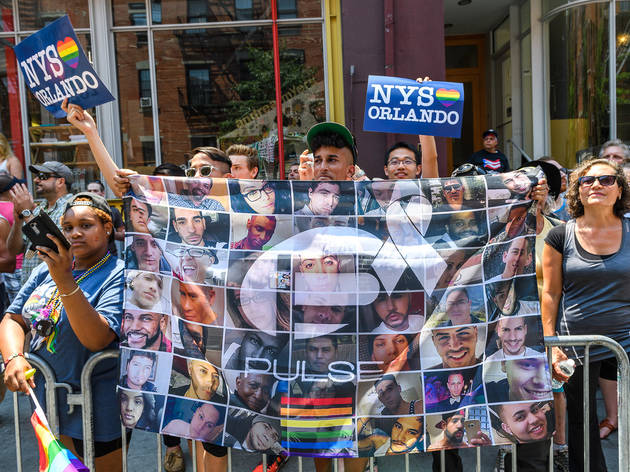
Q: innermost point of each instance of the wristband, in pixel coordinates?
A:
(71, 293)
(11, 357)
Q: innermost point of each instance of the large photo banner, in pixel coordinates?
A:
(334, 318)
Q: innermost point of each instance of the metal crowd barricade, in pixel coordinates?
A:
(84, 400)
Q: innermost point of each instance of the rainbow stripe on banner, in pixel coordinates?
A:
(53, 456)
(314, 434)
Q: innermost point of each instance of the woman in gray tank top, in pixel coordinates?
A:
(586, 279)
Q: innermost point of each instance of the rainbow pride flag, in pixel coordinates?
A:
(53, 456)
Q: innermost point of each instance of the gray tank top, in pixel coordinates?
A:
(596, 294)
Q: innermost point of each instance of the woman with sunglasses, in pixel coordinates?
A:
(585, 266)
(259, 196)
(72, 305)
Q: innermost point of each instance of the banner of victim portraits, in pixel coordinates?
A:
(334, 318)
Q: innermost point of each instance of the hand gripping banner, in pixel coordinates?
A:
(336, 319)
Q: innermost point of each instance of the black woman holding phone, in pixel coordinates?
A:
(585, 291)
(72, 305)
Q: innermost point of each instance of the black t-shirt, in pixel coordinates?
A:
(491, 162)
(555, 238)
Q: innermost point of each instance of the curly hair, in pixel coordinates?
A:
(576, 208)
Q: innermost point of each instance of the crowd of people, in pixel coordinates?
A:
(67, 303)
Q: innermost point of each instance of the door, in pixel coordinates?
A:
(465, 63)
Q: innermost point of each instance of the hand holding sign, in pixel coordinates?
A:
(406, 106)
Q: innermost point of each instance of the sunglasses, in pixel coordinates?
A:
(44, 176)
(605, 180)
(204, 171)
(452, 188)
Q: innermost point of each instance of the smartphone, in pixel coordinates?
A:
(472, 428)
(37, 229)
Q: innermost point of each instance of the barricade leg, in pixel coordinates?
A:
(18, 436)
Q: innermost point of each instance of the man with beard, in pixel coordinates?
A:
(252, 392)
(462, 229)
(205, 380)
(394, 312)
(145, 330)
(456, 347)
(190, 226)
(511, 333)
(452, 436)
(389, 392)
(458, 308)
(516, 257)
(144, 253)
(53, 181)
(259, 231)
(526, 379)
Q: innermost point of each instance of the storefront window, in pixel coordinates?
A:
(10, 122)
(6, 15)
(210, 11)
(135, 101)
(54, 139)
(579, 86)
(35, 14)
(623, 70)
(303, 96)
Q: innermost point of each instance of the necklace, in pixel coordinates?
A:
(45, 323)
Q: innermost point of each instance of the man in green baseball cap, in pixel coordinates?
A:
(334, 153)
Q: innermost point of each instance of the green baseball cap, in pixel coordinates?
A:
(332, 127)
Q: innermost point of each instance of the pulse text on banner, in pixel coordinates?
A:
(55, 67)
(397, 105)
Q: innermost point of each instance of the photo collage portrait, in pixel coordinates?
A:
(337, 319)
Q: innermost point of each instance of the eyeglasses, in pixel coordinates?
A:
(605, 180)
(256, 298)
(256, 194)
(397, 162)
(44, 176)
(452, 188)
(204, 171)
(194, 252)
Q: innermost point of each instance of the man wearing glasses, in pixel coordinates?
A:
(195, 265)
(53, 181)
(402, 161)
(206, 163)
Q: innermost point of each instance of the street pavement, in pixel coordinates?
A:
(143, 449)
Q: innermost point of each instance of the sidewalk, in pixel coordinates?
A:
(142, 450)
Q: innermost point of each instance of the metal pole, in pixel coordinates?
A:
(18, 439)
(87, 414)
(406, 462)
(159, 453)
(124, 446)
(587, 409)
(50, 386)
(478, 450)
(442, 460)
(193, 453)
(276, 74)
(229, 454)
(264, 462)
(612, 68)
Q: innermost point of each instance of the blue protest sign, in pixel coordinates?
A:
(396, 105)
(55, 67)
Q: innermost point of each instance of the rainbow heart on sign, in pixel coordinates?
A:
(447, 97)
(69, 52)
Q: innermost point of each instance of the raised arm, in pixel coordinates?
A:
(552, 293)
(113, 175)
(428, 149)
(7, 260)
